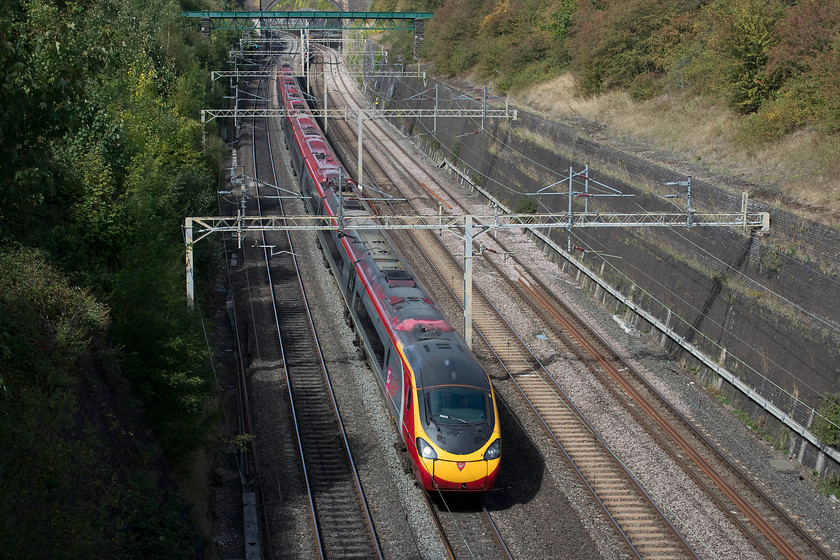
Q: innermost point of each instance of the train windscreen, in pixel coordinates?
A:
(456, 405)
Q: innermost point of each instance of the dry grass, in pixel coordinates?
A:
(803, 167)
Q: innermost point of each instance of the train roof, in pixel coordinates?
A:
(403, 303)
(315, 150)
(444, 362)
(406, 304)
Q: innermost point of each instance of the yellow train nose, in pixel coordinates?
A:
(460, 471)
(462, 475)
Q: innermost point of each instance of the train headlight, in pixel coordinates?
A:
(494, 451)
(425, 450)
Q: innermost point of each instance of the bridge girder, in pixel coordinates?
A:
(322, 21)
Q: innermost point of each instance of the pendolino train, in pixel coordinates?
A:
(439, 396)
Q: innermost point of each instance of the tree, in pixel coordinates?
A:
(806, 63)
(449, 40)
(45, 66)
(614, 43)
(741, 39)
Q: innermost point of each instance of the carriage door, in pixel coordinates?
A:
(394, 384)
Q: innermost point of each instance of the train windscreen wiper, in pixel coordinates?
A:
(447, 417)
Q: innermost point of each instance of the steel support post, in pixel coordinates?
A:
(325, 98)
(688, 209)
(569, 230)
(483, 106)
(468, 273)
(434, 126)
(359, 163)
(188, 241)
(586, 189)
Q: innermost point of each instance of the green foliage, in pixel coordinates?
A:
(827, 424)
(62, 496)
(45, 61)
(616, 45)
(45, 321)
(560, 22)
(400, 44)
(771, 260)
(149, 529)
(167, 370)
(776, 61)
(806, 63)
(450, 37)
(526, 205)
(741, 40)
(405, 5)
(830, 485)
(102, 160)
(320, 5)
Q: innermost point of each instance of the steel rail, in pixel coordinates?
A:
(781, 545)
(265, 535)
(497, 536)
(533, 366)
(752, 514)
(318, 534)
(777, 541)
(618, 525)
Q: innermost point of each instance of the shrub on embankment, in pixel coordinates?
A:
(80, 473)
(775, 57)
(101, 365)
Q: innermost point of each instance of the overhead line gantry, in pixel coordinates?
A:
(197, 228)
(314, 20)
(472, 226)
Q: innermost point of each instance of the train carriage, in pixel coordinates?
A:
(439, 396)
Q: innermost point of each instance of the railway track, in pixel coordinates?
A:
(341, 524)
(771, 531)
(645, 527)
(468, 528)
(769, 528)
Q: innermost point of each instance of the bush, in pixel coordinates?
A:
(104, 161)
(806, 61)
(449, 37)
(830, 485)
(827, 424)
(68, 491)
(733, 45)
(613, 46)
(526, 205)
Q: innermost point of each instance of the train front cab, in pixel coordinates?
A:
(442, 470)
